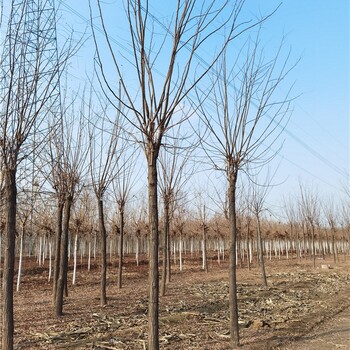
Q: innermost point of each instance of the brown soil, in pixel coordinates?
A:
(299, 301)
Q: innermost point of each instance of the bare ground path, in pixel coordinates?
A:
(332, 334)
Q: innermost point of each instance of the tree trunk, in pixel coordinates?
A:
(121, 250)
(168, 255)
(180, 251)
(75, 258)
(9, 262)
(153, 301)
(0, 246)
(204, 248)
(334, 248)
(39, 250)
(313, 246)
(89, 254)
(233, 300)
(248, 249)
(63, 267)
(261, 251)
(103, 233)
(50, 260)
(165, 249)
(19, 273)
(58, 249)
(137, 251)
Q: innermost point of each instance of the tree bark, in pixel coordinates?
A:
(63, 267)
(313, 247)
(233, 299)
(261, 251)
(103, 233)
(334, 248)
(168, 255)
(50, 260)
(58, 249)
(180, 251)
(204, 248)
(9, 262)
(165, 249)
(153, 302)
(89, 254)
(75, 258)
(19, 273)
(121, 248)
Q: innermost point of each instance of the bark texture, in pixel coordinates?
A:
(62, 276)
(261, 252)
(234, 327)
(58, 248)
(153, 303)
(9, 262)
(103, 234)
(121, 247)
(165, 271)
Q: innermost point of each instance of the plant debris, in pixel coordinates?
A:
(193, 315)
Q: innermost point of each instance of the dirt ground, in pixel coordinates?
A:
(302, 308)
(332, 334)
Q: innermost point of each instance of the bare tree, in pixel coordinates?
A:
(82, 211)
(245, 122)
(24, 215)
(329, 213)
(58, 179)
(106, 148)
(291, 212)
(257, 194)
(203, 223)
(310, 211)
(68, 150)
(156, 106)
(122, 186)
(175, 170)
(29, 82)
(345, 223)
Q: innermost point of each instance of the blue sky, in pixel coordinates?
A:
(316, 147)
(317, 31)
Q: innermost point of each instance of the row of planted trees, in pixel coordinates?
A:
(86, 246)
(192, 231)
(189, 86)
(288, 240)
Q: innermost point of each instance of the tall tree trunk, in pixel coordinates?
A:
(180, 251)
(313, 248)
(233, 299)
(1, 235)
(137, 250)
(89, 254)
(121, 247)
(9, 262)
(103, 233)
(75, 258)
(261, 251)
(63, 267)
(298, 244)
(153, 302)
(58, 249)
(204, 248)
(19, 273)
(50, 260)
(165, 249)
(168, 256)
(334, 248)
(248, 248)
